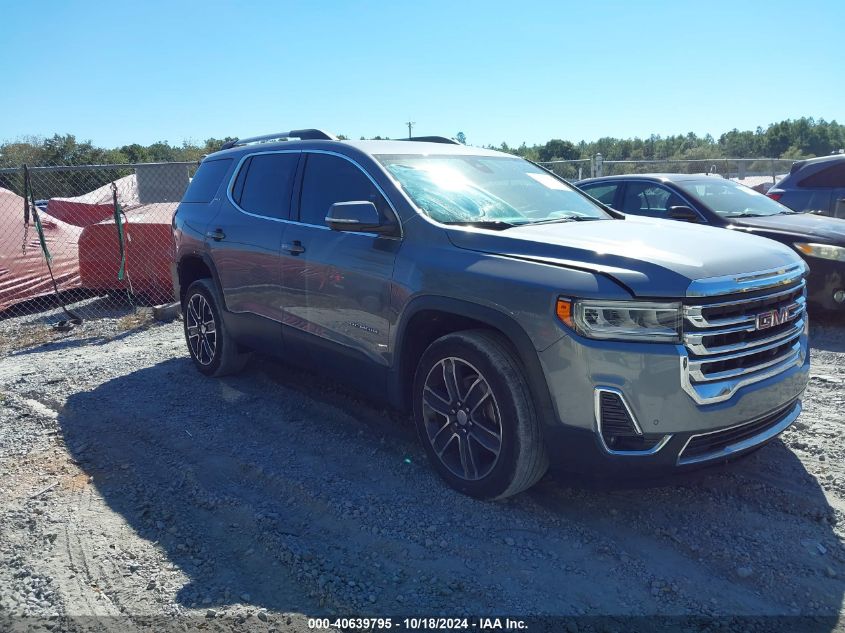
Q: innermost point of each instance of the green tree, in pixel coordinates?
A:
(557, 149)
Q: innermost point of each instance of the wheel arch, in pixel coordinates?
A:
(192, 267)
(427, 318)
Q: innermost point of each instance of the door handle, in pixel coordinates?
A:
(294, 248)
(216, 235)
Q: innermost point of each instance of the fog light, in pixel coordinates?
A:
(839, 296)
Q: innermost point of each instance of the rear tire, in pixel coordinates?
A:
(475, 415)
(212, 349)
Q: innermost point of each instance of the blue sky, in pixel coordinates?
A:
(119, 72)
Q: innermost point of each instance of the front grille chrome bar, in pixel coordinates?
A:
(719, 391)
(696, 346)
(727, 345)
(750, 282)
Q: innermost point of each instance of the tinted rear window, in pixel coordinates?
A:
(266, 188)
(831, 177)
(206, 181)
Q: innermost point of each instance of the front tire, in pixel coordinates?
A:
(212, 349)
(475, 415)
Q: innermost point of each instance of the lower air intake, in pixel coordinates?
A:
(617, 427)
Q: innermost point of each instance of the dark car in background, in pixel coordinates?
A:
(815, 185)
(718, 202)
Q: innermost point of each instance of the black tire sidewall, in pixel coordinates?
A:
(499, 479)
(202, 287)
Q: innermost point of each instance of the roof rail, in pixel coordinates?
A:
(430, 139)
(310, 134)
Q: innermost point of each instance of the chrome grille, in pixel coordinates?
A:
(734, 342)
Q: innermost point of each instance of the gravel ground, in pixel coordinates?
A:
(135, 490)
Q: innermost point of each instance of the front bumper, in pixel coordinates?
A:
(648, 378)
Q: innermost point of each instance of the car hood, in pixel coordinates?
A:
(652, 258)
(802, 225)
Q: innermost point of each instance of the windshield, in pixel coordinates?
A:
(487, 190)
(731, 200)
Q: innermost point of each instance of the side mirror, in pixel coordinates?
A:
(358, 216)
(684, 213)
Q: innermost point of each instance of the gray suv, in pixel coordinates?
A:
(815, 185)
(521, 322)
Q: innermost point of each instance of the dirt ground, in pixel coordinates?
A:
(136, 492)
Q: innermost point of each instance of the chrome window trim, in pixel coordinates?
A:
(750, 282)
(597, 414)
(750, 442)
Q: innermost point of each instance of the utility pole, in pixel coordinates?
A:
(410, 125)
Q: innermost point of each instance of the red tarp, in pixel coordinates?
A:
(23, 271)
(148, 253)
(95, 206)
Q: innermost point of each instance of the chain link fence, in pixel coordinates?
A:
(571, 170)
(88, 240)
(758, 172)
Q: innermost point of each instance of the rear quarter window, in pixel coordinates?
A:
(831, 177)
(207, 180)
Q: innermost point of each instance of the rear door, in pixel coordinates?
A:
(245, 237)
(337, 284)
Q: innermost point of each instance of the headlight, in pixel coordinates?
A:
(824, 251)
(622, 320)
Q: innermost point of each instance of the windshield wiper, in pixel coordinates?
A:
(562, 218)
(745, 214)
(495, 225)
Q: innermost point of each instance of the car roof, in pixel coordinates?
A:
(372, 148)
(819, 160)
(655, 177)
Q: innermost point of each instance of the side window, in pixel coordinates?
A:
(807, 200)
(238, 187)
(264, 184)
(603, 193)
(831, 177)
(645, 198)
(329, 179)
(205, 182)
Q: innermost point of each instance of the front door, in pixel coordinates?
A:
(336, 283)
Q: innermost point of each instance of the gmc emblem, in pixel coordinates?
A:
(772, 318)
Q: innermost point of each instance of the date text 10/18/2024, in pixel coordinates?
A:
(418, 624)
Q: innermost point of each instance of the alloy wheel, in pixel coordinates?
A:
(462, 420)
(202, 329)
